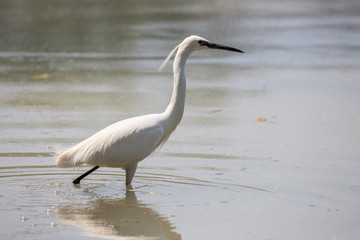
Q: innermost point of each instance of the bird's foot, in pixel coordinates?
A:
(129, 187)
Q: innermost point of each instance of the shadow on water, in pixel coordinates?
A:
(124, 218)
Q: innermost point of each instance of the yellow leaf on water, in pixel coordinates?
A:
(261, 119)
(40, 76)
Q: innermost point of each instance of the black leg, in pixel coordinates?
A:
(77, 181)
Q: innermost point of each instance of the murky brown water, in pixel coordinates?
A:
(269, 143)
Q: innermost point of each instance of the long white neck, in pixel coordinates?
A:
(175, 109)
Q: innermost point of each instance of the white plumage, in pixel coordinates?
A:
(125, 143)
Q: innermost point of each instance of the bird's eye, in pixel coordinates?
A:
(202, 43)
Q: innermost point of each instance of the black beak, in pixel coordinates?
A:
(218, 46)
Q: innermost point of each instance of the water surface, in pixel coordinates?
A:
(268, 147)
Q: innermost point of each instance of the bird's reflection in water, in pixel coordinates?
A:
(124, 218)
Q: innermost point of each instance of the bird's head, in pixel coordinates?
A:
(199, 43)
(194, 43)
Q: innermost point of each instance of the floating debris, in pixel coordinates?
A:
(40, 76)
(261, 119)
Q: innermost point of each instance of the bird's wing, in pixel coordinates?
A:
(124, 148)
(118, 145)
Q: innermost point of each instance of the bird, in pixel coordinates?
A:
(125, 143)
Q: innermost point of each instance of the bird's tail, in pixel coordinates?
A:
(66, 159)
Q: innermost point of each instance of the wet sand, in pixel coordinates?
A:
(268, 147)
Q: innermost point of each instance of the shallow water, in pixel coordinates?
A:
(268, 147)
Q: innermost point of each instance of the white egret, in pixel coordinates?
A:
(125, 143)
